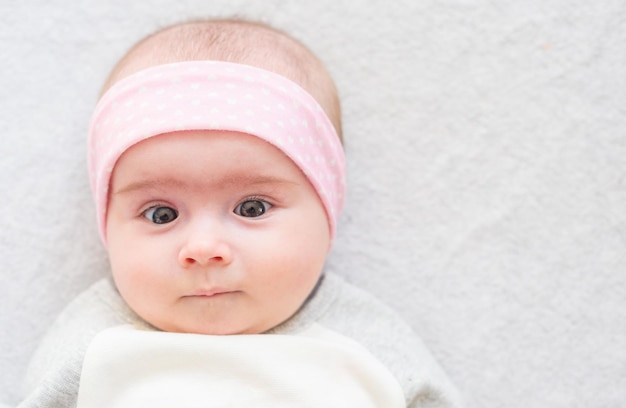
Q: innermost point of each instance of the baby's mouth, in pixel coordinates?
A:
(210, 293)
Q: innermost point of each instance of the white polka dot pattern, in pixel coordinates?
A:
(215, 95)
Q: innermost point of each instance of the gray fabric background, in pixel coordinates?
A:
(487, 175)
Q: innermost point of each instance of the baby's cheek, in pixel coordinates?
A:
(127, 271)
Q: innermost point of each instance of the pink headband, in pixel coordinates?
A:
(214, 95)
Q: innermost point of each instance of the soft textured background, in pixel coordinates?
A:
(487, 175)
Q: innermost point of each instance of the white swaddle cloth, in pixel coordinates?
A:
(125, 367)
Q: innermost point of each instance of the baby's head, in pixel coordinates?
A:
(218, 174)
(239, 42)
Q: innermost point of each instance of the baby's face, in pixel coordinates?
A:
(214, 232)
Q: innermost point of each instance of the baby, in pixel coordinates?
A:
(217, 168)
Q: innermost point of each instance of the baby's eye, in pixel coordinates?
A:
(160, 215)
(252, 208)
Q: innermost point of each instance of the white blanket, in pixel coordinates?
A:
(127, 368)
(487, 190)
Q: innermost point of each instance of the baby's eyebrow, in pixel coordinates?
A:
(160, 183)
(149, 184)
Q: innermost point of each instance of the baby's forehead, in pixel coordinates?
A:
(203, 161)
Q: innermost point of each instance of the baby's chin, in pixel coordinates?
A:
(212, 329)
(222, 321)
